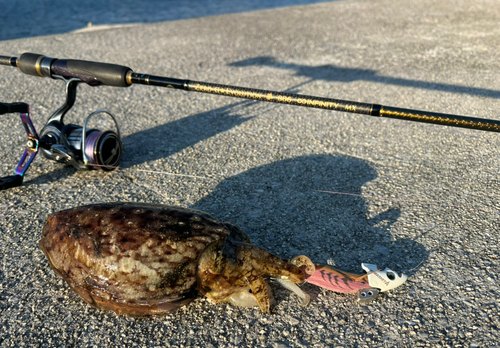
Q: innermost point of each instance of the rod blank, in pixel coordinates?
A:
(94, 74)
(317, 102)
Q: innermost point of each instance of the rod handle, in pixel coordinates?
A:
(6, 108)
(10, 181)
(92, 73)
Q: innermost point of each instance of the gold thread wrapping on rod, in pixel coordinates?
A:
(442, 120)
(276, 97)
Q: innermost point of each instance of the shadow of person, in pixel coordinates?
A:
(166, 139)
(333, 73)
(280, 207)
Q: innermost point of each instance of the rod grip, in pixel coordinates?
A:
(7, 108)
(10, 181)
(92, 73)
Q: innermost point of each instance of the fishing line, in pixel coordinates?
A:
(96, 149)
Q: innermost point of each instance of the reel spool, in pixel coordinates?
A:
(81, 147)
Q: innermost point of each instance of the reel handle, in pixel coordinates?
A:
(92, 73)
(10, 181)
(31, 145)
(7, 108)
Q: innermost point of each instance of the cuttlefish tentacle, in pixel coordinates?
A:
(232, 266)
(304, 263)
(259, 289)
(268, 264)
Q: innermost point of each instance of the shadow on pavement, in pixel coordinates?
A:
(334, 73)
(164, 140)
(167, 139)
(280, 208)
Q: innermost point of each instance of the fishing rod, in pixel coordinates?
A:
(87, 149)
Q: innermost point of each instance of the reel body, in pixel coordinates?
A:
(81, 147)
(71, 144)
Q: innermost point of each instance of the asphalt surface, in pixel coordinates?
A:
(424, 196)
(59, 16)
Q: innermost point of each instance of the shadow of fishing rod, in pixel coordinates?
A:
(332, 73)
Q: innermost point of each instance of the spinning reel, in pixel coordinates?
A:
(87, 149)
(72, 144)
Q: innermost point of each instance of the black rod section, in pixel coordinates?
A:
(114, 75)
(256, 94)
(438, 118)
(317, 102)
(4, 60)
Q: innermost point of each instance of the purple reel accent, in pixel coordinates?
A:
(90, 144)
(31, 145)
(101, 149)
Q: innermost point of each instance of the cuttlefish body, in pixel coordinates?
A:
(146, 259)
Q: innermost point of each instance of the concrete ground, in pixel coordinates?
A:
(424, 197)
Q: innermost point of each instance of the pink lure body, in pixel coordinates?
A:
(337, 280)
